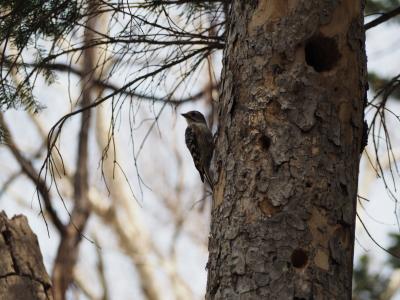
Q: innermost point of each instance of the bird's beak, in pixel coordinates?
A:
(184, 115)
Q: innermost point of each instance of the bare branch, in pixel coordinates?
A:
(383, 18)
(33, 175)
(106, 85)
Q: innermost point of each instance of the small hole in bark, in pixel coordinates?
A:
(274, 258)
(308, 184)
(322, 53)
(265, 141)
(343, 187)
(299, 258)
(243, 132)
(7, 235)
(276, 69)
(244, 174)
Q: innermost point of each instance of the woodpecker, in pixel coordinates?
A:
(199, 141)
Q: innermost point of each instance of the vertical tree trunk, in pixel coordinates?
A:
(22, 273)
(68, 250)
(288, 149)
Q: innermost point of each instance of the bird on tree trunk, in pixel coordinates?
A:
(199, 140)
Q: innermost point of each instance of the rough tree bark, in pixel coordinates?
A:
(22, 273)
(288, 149)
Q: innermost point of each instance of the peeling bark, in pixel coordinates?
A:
(22, 273)
(288, 150)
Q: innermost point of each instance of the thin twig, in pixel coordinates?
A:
(383, 18)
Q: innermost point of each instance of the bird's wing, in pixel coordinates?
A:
(193, 146)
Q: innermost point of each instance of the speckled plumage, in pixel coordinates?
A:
(199, 141)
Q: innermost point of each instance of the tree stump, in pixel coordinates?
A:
(22, 273)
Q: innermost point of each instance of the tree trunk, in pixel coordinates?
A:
(22, 273)
(288, 150)
(68, 250)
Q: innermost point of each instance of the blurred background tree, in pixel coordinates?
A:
(379, 284)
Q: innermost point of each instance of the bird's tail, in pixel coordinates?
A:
(209, 179)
